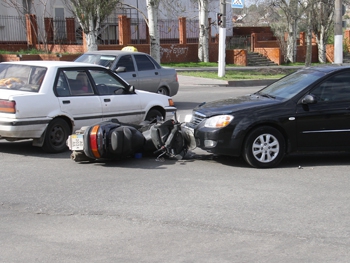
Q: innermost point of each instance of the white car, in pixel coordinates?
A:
(47, 100)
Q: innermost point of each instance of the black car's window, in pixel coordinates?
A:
(106, 83)
(143, 63)
(291, 85)
(126, 61)
(336, 88)
(73, 83)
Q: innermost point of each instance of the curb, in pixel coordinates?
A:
(247, 83)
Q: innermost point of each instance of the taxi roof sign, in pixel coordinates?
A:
(129, 48)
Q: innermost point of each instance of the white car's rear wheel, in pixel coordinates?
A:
(56, 136)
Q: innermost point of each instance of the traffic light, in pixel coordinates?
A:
(219, 19)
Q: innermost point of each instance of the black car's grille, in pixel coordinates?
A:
(197, 118)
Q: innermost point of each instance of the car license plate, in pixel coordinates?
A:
(77, 142)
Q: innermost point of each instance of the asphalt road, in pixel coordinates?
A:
(200, 209)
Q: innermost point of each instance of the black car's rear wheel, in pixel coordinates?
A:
(264, 147)
(56, 136)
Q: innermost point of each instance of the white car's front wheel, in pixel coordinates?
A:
(154, 115)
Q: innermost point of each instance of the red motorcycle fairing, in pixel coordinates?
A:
(112, 140)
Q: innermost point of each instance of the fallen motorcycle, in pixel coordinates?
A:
(113, 140)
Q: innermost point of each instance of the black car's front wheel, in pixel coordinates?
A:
(264, 147)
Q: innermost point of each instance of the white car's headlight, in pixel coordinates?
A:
(218, 121)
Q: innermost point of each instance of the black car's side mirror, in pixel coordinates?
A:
(121, 69)
(309, 99)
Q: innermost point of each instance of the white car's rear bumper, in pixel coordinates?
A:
(23, 129)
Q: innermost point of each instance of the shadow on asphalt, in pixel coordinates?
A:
(316, 159)
(25, 148)
(295, 160)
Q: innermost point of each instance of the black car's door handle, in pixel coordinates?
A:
(134, 75)
(66, 101)
(107, 100)
(156, 73)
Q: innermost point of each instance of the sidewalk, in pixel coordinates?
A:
(189, 80)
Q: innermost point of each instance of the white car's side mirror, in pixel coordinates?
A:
(131, 89)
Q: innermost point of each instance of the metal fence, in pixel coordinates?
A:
(239, 42)
(13, 30)
(109, 32)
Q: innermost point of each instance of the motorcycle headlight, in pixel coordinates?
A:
(218, 121)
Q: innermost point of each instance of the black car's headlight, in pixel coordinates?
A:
(219, 121)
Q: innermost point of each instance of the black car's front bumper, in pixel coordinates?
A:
(221, 141)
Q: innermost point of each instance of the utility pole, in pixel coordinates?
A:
(222, 39)
(338, 33)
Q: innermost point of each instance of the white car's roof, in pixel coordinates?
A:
(50, 64)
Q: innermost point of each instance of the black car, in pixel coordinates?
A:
(308, 110)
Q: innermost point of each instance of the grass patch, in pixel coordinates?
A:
(194, 65)
(190, 65)
(24, 52)
(32, 51)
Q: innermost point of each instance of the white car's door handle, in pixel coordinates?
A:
(66, 101)
(107, 100)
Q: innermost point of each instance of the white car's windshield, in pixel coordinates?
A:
(21, 77)
(291, 85)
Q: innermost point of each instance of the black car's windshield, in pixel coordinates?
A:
(103, 60)
(291, 85)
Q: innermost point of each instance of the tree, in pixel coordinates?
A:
(308, 55)
(203, 48)
(293, 10)
(322, 14)
(152, 11)
(90, 14)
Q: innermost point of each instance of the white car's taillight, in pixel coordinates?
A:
(7, 106)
